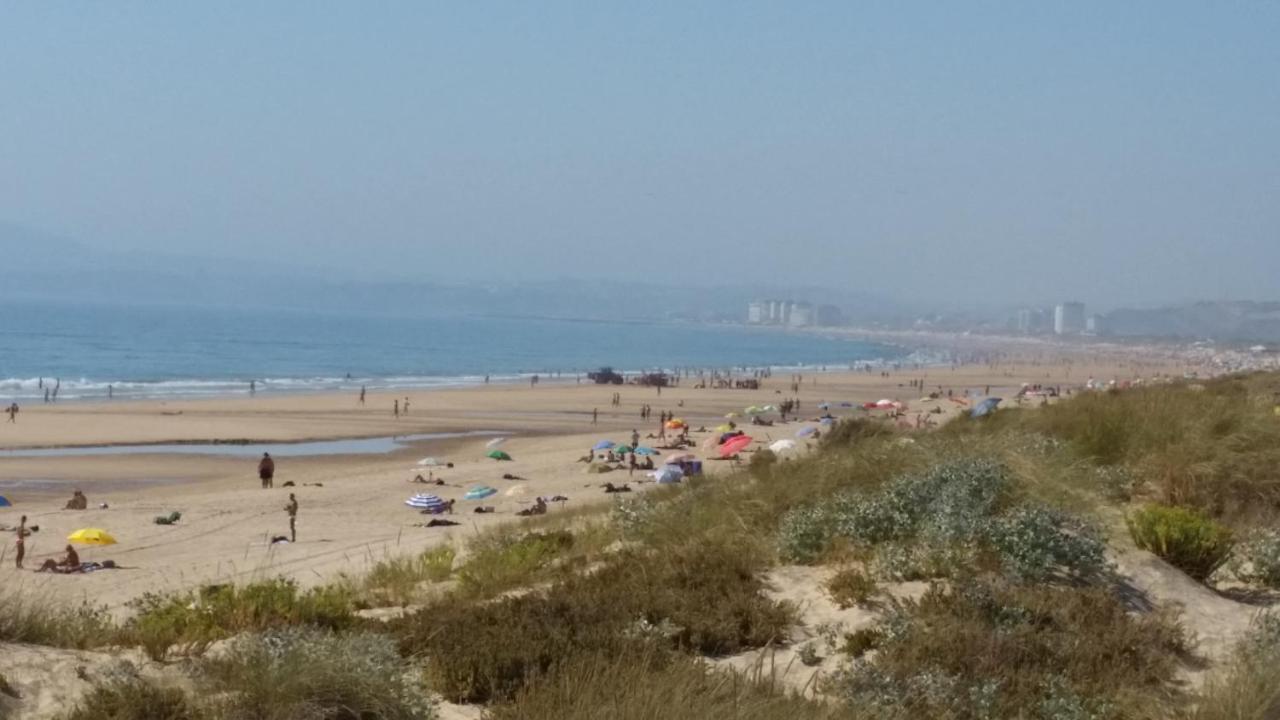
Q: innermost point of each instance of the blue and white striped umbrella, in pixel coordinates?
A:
(425, 502)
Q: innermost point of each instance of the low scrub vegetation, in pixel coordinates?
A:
(42, 621)
(851, 586)
(1249, 687)
(130, 697)
(191, 621)
(398, 580)
(1184, 538)
(996, 650)
(701, 598)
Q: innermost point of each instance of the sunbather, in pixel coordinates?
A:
(77, 502)
(69, 563)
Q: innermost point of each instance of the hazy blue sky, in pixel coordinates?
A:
(1112, 151)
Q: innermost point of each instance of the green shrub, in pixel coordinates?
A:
(1184, 538)
(395, 581)
(850, 586)
(1257, 560)
(27, 618)
(299, 673)
(194, 620)
(702, 598)
(1035, 543)
(133, 698)
(504, 559)
(996, 650)
(860, 642)
(655, 685)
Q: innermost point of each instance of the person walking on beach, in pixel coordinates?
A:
(292, 509)
(253, 387)
(22, 542)
(13, 413)
(362, 392)
(267, 471)
(395, 409)
(595, 414)
(406, 406)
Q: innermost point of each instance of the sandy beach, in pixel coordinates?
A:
(352, 505)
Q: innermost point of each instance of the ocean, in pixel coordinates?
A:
(158, 352)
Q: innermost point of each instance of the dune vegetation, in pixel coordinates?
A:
(1016, 524)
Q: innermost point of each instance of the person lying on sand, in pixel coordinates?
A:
(611, 488)
(509, 476)
(69, 563)
(440, 522)
(432, 481)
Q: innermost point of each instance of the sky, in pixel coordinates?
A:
(1013, 151)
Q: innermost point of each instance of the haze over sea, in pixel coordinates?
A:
(157, 351)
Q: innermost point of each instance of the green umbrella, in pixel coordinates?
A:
(622, 450)
(498, 455)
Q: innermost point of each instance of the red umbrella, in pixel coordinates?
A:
(735, 445)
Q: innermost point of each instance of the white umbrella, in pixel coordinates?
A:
(495, 442)
(516, 491)
(429, 461)
(667, 475)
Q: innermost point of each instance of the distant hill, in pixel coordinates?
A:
(43, 266)
(1230, 321)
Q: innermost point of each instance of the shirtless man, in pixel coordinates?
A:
(70, 562)
(22, 534)
(292, 509)
(267, 471)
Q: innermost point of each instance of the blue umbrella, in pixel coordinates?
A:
(805, 432)
(647, 451)
(603, 445)
(986, 407)
(4, 502)
(479, 492)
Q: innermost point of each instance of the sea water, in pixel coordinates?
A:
(158, 352)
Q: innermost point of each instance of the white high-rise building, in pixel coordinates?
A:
(756, 312)
(1068, 318)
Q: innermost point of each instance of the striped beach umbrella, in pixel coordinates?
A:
(425, 501)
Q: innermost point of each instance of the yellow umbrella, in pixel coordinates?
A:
(91, 536)
(731, 415)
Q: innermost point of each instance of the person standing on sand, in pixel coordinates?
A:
(13, 413)
(22, 543)
(395, 409)
(595, 414)
(406, 406)
(362, 392)
(253, 387)
(292, 509)
(267, 471)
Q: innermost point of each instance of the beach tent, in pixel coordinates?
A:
(498, 455)
(425, 502)
(669, 474)
(735, 445)
(781, 446)
(646, 451)
(480, 492)
(495, 442)
(986, 407)
(805, 432)
(4, 502)
(91, 536)
(604, 445)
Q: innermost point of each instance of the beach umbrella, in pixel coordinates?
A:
(735, 445)
(770, 408)
(622, 449)
(669, 474)
(675, 424)
(429, 461)
(683, 457)
(516, 491)
(498, 455)
(479, 492)
(986, 407)
(647, 451)
(4, 502)
(730, 416)
(781, 446)
(495, 442)
(91, 536)
(724, 428)
(824, 406)
(754, 410)
(425, 501)
(711, 442)
(603, 445)
(805, 432)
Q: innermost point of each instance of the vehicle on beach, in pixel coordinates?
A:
(605, 376)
